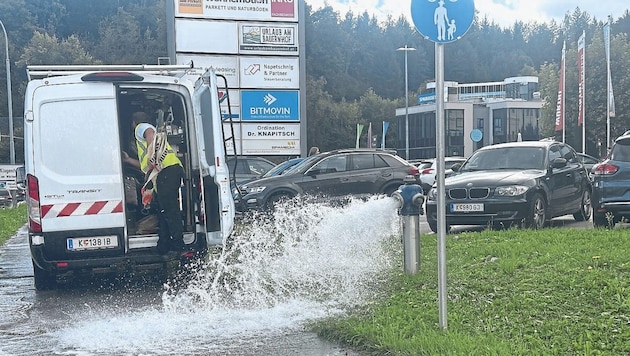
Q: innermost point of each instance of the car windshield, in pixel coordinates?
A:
(506, 158)
(302, 166)
(282, 168)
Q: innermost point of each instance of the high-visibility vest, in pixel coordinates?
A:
(170, 158)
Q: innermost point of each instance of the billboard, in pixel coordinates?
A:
(256, 45)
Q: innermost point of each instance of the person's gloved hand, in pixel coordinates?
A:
(147, 196)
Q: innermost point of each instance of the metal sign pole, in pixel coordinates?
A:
(439, 176)
(436, 20)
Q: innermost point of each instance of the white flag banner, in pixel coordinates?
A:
(611, 97)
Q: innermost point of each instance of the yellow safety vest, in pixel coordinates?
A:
(170, 158)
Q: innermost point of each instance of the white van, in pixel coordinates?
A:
(84, 212)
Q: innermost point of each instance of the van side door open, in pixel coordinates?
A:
(83, 192)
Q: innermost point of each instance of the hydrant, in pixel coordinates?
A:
(410, 200)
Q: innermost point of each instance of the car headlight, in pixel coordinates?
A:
(510, 190)
(253, 190)
(432, 195)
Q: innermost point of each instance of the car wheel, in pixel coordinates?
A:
(537, 213)
(390, 190)
(43, 279)
(276, 199)
(601, 221)
(585, 208)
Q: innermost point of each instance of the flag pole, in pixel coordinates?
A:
(584, 94)
(608, 82)
(564, 70)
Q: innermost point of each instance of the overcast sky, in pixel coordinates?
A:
(502, 12)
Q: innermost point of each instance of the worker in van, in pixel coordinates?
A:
(164, 174)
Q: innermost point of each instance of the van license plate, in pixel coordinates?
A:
(91, 243)
(466, 208)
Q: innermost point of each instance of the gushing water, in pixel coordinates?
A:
(309, 261)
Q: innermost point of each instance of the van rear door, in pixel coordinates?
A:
(76, 156)
(216, 194)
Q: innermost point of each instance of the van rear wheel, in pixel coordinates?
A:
(43, 279)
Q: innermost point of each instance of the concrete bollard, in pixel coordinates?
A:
(410, 200)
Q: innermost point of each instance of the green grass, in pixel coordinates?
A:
(514, 292)
(11, 219)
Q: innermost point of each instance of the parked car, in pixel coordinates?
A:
(6, 199)
(611, 185)
(246, 169)
(275, 171)
(359, 172)
(429, 169)
(517, 183)
(422, 163)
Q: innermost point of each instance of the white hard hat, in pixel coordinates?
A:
(141, 128)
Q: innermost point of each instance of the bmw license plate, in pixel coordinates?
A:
(466, 207)
(91, 243)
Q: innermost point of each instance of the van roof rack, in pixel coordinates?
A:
(44, 71)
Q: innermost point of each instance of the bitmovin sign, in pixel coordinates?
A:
(270, 105)
(269, 10)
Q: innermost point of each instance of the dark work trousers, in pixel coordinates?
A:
(171, 226)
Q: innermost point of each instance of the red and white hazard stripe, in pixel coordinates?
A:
(80, 209)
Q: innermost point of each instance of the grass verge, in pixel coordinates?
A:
(11, 219)
(514, 292)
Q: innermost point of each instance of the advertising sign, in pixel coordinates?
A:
(270, 72)
(270, 105)
(280, 39)
(225, 65)
(206, 36)
(262, 10)
(265, 139)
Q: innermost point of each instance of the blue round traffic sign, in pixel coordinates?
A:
(442, 21)
(476, 135)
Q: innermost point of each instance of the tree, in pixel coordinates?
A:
(122, 41)
(47, 49)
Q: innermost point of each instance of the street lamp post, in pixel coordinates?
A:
(9, 101)
(406, 50)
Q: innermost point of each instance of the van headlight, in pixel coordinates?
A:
(510, 190)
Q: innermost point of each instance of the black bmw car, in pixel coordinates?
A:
(518, 183)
